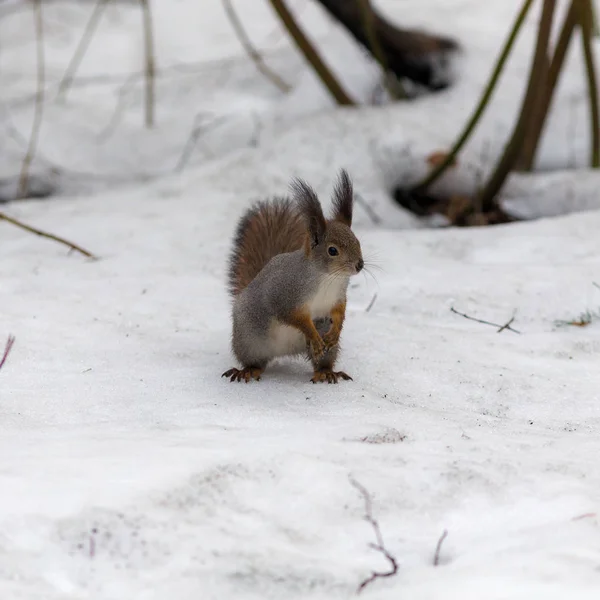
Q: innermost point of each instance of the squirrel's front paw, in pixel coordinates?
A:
(317, 348)
(331, 339)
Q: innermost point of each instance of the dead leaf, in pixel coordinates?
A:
(438, 157)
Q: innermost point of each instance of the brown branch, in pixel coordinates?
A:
(311, 55)
(7, 349)
(379, 546)
(82, 47)
(438, 548)
(536, 125)
(50, 236)
(252, 52)
(150, 69)
(487, 198)
(586, 18)
(501, 327)
(39, 101)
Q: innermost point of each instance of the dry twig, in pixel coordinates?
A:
(500, 327)
(375, 218)
(320, 68)
(252, 52)
(198, 128)
(371, 303)
(82, 47)
(438, 548)
(39, 101)
(150, 62)
(379, 546)
(506, 325)
(7, 349)
(50, 236)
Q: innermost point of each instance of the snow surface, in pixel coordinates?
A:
(130, 469)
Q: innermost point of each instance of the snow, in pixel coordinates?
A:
(130, 469)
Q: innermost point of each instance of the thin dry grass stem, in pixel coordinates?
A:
(380, 545)
(198, 128)
(50, 236)
(487, 198)
(438, 548)
(375, 218)
(501, 328)
(150, 63)
(311, 55)
(7, 349)
(39, 101)
(120, 106)
(371, 303)
(252, 52)
(82, 47)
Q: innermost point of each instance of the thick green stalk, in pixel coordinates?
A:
(483, 102)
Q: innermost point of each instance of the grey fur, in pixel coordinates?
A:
(274, 293)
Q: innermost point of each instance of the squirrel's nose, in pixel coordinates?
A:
(359, 265)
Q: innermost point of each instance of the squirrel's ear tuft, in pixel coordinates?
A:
(311, 210)
(343, 196)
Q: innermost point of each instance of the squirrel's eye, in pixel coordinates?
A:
(333, 251)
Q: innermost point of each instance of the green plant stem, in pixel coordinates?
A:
(483, 102)
(487, 198)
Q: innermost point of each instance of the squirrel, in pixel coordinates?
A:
(288, 275)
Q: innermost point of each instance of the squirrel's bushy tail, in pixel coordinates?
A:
(269, 228)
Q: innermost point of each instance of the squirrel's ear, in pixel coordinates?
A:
(343, 198)
(311, 210)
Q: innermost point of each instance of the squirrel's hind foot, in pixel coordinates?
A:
(245, 374)
(322, 375)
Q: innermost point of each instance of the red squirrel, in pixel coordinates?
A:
(288, 275)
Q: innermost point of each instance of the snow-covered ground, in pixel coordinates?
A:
(130, 469)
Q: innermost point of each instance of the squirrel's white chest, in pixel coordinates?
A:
(285, 340)
(330, 291)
